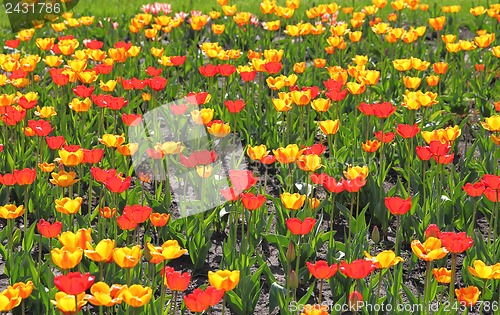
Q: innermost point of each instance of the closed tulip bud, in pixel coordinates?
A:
(355, 301)
(290, 253)
(375, 235)
(293, 280)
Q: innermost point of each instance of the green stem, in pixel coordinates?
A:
(451, 296)
(320, 291)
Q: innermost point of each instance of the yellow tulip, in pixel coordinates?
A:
(137, 295)
(292, 201)
(65, 258)
(224, 279)
(103, 251)
(67, 303)
(126, 257)
(11, 211)
(384, 259)
(69, 206)
(430, 250)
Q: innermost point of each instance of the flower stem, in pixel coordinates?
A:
(451, 294)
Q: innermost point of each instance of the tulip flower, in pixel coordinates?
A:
(242, 179)
(67, 303)
(103, 295)
(159, 219)
(11, 211)
(103, 251)
(199, 300)
(292, 201)
(137, 295)
(251, 201)
(66, 258)
(397, 205)
(68, 205)
(74, 283)
(225, 280)
(468, 296)
(49, 230)
(482, 271)
(298, 227)
(442, 275)
(9, 298)
(384, 259)
(126, 257)
(74, 240)
(358, 269)
(177, 281)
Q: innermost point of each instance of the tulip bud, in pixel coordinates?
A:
(375, 235)
(290, 252)
(432, 231)
(293, 280)
(355, 301)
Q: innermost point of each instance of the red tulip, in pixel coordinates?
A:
(474, 190)
(93, 44)
(321, 269)
(298, 227)
(424, 153)
(444, 159)
(384, 137)
(1, 148)
(139, 84)
(24, 103)
(103, 68)
(12, 43)
(157, 83)
(131, 119)
(152, 71)
(318, 179)
(493, 195)
(353, 185)
(177, 281)
(101, 175)
(74, 283)
(93, 156)
(456, 242)
(7, 179)
(397, 205)
(137, 213)
(268, 159)
(331, 184)
(230, 194)
(83, 91)
(209, 70)
(49, 230)
(42, 128)
(125, 223)
(199, 300)
(273, 67)
(383, 110)
(432, 231)
(316, 148)
(198, 98)
(438, 148)
(25, 176)
(358, 269)
(491, 181)
(116, 103)
(226, 70)
(366, 109)
(234, 106)
(118, 184)
(251, 201)
(248, 76)
(177, 60)
(242, 179)
(407, 131)
(203, 157)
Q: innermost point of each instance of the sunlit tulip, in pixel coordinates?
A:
(66, 258)
(430, 250)
(442, 275)
(67, 303)
(103, 251)
(292, 201)
(225, 280)
(384, 259)
(137, 295)
(103, 295)
(468, 296)
(287, 155)
(126, 257)
(11, 211)
(68, 206)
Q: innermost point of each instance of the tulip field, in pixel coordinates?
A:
(227, 157)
